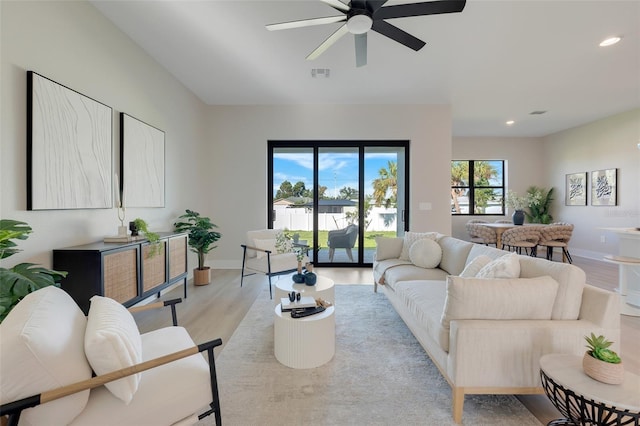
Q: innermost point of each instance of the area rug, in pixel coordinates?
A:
(380, 375)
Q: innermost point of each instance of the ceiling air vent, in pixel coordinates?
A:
(319, 72)
(537, 112)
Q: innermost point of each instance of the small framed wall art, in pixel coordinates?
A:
(604, 187)
(69, 148)
(576, 189)
(142, 163)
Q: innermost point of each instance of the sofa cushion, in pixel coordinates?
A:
(261, 234)
(266, 244)
(476, 264)
(388, 248)
(112, 341)
(425, 253)
(571, 282)
(41, 348)
(411, 272)
(499, 299)
(507, 266)
(454, 254)
(425, 299)
(412, 237)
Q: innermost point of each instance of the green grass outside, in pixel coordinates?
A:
(369, 237)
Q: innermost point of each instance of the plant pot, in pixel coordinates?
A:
(601, 371)
(518, 217)
(202, 276)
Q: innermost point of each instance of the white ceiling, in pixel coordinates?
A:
(496, 61)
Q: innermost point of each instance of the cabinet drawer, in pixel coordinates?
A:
(121, 275)
(153, 266)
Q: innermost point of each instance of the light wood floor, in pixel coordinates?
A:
(215, 310)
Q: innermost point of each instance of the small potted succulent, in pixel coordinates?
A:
(600, 362)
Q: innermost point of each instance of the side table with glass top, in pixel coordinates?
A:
(585, 401)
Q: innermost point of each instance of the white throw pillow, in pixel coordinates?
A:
(112, 341)
(498, 299)
(265, 245)
(507, 266)
(388, 248)
(476, 264)
(412, 237)
(425, 253)
(41, 348)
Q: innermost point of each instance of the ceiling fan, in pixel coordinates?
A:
(360, 16)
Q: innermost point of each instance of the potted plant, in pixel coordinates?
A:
(23, 278)
(600, 362)
(139, 225)
(201, 240)
(539, 204)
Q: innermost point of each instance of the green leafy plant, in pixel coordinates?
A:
(23, 278)
(142, 226)
(598, 347)
(201, 234)
(539, 205)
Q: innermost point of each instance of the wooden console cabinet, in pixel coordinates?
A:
(126, 272)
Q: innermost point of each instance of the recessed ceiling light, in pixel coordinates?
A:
(609, 41)
(510, 123)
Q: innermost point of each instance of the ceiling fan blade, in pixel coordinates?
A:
(420, 9)
(338, 5)
(306, 23)
(395, 33)
(361, 49)
(328, 42)
(374, 5)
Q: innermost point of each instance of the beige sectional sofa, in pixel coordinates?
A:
(486, 335)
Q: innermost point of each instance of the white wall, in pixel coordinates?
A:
(605, 144)
(74, 45)
(238, 154)
(524, 164)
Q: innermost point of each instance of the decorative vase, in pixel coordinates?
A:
(605, 372)
(518, 217)
(298, 278)
(133, 228)
(299, 267)
(310, 278)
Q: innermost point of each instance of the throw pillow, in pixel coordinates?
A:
(388, 248)
(425, 253)
(498, 299)
(112, 341)
(265, 245)
(412, 237)
(507, 266)
(41, 349)
(476, 264)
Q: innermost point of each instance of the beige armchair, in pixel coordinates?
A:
(49, 350)
(261, 255)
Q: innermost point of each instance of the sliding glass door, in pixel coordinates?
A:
(337, 197)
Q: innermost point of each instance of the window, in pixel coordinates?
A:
(477, 183)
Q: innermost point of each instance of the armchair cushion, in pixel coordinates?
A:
(112, 341)
(269, 244)
(42, 349)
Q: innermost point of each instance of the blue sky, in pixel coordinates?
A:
(337, 169)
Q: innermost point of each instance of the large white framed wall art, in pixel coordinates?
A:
(69, 148)
(142, 163)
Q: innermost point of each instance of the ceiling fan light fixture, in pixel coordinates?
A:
(359, 24)
(609, 41)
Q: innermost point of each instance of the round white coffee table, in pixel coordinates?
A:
(323, 289)
(306, 342)
(584, 400)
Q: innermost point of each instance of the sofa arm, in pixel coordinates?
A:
(13, 409)
(600, 307)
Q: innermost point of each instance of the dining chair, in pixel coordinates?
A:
(555, 235)
(521, 237)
